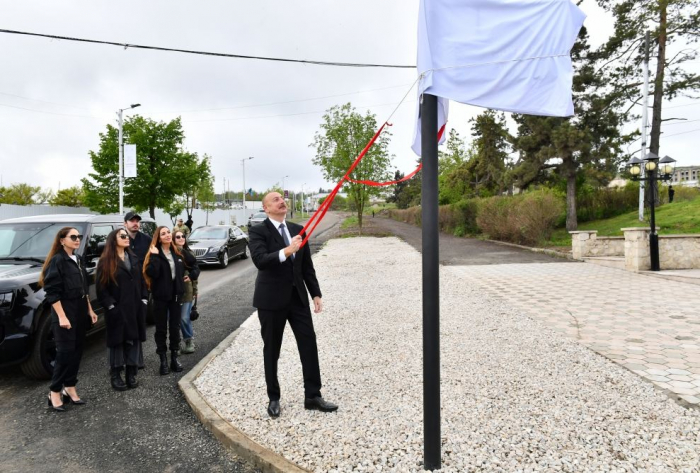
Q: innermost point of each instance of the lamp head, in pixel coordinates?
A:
(667, 166)
(634, 166)
(134, 105)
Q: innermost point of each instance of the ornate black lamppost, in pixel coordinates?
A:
(656, 170)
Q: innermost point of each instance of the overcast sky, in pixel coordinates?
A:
(57, 96)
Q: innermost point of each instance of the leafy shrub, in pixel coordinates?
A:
(537, 214)
(526, 218)
(496, 219)
(682, 194)
(599, 203)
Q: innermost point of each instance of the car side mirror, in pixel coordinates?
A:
(101, 247)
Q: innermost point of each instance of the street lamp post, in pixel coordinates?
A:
(302, 200)
(656, 170)
(244, 191)
(121, 157)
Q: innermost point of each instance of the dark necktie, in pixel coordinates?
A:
(284, 236)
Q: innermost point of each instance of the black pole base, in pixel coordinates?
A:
(654, 251)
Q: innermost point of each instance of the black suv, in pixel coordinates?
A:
(25, 322)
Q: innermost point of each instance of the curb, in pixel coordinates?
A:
(232, 438)
(535, 250)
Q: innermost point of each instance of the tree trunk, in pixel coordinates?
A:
(655, 134)
(571, 220)
(152, 211)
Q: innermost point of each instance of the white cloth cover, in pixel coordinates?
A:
(510, 55)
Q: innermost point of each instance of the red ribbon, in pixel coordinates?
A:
(321, 212)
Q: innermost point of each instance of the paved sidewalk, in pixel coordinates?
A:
(648, 325)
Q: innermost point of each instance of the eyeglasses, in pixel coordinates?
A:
(123, 236)
(179, 237)
(75, 237)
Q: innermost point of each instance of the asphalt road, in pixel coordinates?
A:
(464, 251)
(148, 429)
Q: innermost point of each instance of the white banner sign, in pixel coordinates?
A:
(129, 160)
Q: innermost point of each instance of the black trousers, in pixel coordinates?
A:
(167, 315)
(68, 355)
(272, 329)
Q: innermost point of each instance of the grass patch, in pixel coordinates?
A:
(349, 222)
(675, 218)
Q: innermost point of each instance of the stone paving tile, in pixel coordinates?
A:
(653, 332)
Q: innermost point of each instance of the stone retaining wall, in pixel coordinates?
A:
(675, 251)
(587, 243)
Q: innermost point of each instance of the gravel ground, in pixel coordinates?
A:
(515, 395)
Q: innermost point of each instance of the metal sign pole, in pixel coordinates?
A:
(431, 284)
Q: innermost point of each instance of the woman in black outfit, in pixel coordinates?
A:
(122, 292)
(164, 271)
(65, 282)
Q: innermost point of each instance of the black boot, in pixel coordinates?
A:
(174, 364)
(164, 364)
(117, 381)
(131, 382)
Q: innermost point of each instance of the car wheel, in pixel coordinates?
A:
(40, 363)
(223, 259)
(245, 253)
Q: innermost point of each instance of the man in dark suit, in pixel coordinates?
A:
(285, 272)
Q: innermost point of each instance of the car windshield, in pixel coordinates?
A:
(30, 240)
(262, 215)
(209, 233)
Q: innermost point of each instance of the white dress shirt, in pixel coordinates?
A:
(277, 224)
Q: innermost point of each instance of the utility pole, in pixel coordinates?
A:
(645, 105)
(121, 157)
(244, 190)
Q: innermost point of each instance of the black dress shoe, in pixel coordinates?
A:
(273, 408)
(69, 400)
(319, 404)
(56, 408)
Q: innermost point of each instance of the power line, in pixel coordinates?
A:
(207, 53)
(48, 113)
(43, 101)
(287, 114)
(681, 133)
(285, 102)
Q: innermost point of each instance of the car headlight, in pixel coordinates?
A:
(213, 249)
(6, 299)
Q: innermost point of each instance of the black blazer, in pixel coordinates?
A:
(163, 287)
(275, 281)
(67, 282)
(126, 321)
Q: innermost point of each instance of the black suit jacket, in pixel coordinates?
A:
(275, 281)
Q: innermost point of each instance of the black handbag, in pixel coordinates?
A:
(194, 313)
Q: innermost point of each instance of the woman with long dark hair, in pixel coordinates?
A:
(122, 292)
(164, 273)
(65, 282)
(191, 271)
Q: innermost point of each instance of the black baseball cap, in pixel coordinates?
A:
(131, 216)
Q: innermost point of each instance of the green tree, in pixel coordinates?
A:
(164, 170)
(204, 180)
(70, 197)
(344, 134)
(20, 194)
(207, 198)
(490, 162)
(672, 23)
